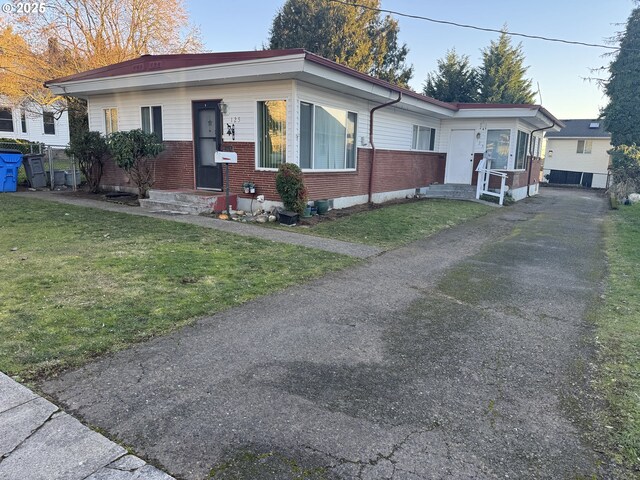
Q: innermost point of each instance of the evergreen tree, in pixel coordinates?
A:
(622, 114)
(455, 80)
(353, 36)
(502, 74)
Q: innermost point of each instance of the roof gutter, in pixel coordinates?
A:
(372, 143)
(553, 124)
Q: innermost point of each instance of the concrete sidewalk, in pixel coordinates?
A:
(39, 441)
(335, 246)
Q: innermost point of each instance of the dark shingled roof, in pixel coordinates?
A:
(580, 128)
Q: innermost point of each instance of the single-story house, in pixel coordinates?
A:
(356, 138)
(578, 154)
(34, 123)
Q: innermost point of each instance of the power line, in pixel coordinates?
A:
(474, 27)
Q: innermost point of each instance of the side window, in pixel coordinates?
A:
(584, 146)
(521, 150)
(49, 123)
(110, 120)
(6, 120)
(497, 152)
(152, 120)
(23, 121)
(424, 138)
(272, 133)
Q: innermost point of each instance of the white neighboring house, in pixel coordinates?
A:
(577, 154)
(34, 124)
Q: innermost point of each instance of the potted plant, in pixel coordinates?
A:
(290, 187)
(249, 187)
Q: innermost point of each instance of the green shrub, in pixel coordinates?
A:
(625, 170)
(290, 187)
(90, 150)
(134, 152)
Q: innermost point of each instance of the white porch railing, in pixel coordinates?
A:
(484, 175)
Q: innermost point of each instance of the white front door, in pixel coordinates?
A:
(459, 167)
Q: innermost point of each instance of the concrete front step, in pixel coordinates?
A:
(187, 201)
(451, 191)
(157, 205)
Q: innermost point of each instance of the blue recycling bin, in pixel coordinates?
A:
(10, 161)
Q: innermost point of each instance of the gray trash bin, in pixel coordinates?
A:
(34, 167)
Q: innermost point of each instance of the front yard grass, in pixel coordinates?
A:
(77, 282)
(395, 225)
(618, 327)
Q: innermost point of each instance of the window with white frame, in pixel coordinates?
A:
(424, 138)
(327, 138)
(497, 151)
(152, 120)
(110, 120)
(584, 146)
(23, 121)
(6, 120)
(272, 133)
(49, 123)
(521, 150)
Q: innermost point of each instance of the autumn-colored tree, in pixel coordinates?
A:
(354, 35)
(71, 36)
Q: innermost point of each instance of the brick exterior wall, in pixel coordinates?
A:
(174, 169)
(395, 170)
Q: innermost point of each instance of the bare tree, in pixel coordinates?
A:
(71, 36)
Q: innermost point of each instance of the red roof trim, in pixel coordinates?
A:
(157, 63)
(363, 76)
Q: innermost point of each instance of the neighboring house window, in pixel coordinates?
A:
(23, 121)
(584, 146)
(6, 120)
(152, 120)
(110, 120)
(497, 152)
(272, 133)
(424, 138)
(327, 138)
(521, 150)
(49, 123)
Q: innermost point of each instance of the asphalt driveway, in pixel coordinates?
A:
(461, 356)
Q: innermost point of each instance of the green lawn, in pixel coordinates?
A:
(395, 225)
(618, 324)
(83, 282)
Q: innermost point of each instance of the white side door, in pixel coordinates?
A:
(459, 167)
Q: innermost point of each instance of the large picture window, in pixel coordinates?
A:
(272, 133)
(498, 142)
(424, 138)
(6, 120)
(521, 150)
(152, 120)
(327, 138)
(110, 120)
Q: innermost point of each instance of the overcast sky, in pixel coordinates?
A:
(233, 25)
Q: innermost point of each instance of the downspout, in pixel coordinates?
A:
(373, 147)
(553, 124)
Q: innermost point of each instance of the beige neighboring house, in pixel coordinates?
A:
(577, 154)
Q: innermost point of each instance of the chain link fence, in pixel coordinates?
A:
(61, 169)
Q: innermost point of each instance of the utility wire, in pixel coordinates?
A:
(474, 27)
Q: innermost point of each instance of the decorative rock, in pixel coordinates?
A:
(223, 216)
(240, 212)
(262, 219)
(634, 197)
(272, 218)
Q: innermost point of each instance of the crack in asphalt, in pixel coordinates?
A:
(372, 462)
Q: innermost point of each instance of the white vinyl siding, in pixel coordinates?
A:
(28, 124)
